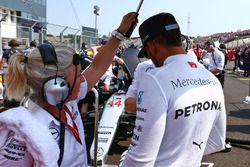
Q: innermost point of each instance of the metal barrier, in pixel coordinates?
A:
(26, 30)
(96, 125)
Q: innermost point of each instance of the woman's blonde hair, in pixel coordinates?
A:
(26, 76)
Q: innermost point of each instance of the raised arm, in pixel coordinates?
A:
(105, 56)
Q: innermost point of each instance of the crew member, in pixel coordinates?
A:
(176, 124)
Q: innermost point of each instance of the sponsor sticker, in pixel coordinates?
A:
(54, 132)
(13, 149)
(139, 97)
(139, 128)
(117, 103)
(103, 140)
(106, 127)
(99, 151)
(192, 64)
(104, 133)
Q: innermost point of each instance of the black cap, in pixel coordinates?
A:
(210, 43)
(157, 25)
(222, 46)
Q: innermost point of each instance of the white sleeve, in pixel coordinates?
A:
(108, 79)
(220, 60)
(28, 140)
(150, 125)
(217, 137)
(133, 88)
(14, 152)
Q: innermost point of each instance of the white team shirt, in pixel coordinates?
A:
(180, 116)
(107, 76)
(216, 60)
(139, 72)
(74, 153)
(141, 69)
(192, 54)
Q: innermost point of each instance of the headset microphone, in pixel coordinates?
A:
(55, 88)
(75, 62)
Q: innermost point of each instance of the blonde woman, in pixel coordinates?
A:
(49, 131)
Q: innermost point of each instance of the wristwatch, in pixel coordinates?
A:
(120, 36)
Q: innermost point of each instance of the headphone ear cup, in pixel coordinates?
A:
(55, 90)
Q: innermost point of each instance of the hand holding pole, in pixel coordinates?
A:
(133, 24)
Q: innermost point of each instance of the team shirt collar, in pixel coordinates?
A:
(178, 57)
(42, 114)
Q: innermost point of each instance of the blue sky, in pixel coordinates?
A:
(206, 16)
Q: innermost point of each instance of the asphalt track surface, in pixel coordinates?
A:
(238, 122)
(238, 126)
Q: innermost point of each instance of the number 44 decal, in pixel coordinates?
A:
(117, 103)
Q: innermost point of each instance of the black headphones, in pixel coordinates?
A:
(55, 89)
